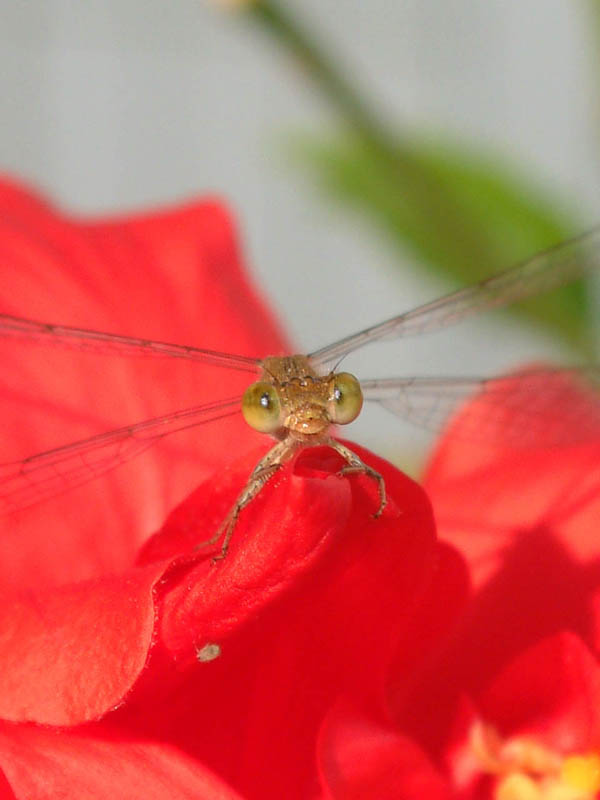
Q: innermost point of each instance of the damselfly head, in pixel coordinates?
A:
(292, 398)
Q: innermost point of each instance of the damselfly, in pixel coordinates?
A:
(296, 399)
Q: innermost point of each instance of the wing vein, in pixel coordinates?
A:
(44, 475)
(532, 408)
(544, 271)
(110, 343)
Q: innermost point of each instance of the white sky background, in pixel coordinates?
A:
(118, 104)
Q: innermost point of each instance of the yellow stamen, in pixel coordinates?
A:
(518, 787)
(582, 772)
(529, 770)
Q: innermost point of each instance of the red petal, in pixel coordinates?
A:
(46, 764)
(171, 275)
(537, 592)
(306, 521)
(71, 655)
(6, 793)
(360, 758)
(485, 496)
(552, 691)
(444, 601)
(314, 599)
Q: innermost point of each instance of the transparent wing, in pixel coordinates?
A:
(535, 408)
(546, 270)
(96, 341)
(39, 477)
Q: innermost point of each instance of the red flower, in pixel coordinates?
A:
(509, 707)
(132, 666)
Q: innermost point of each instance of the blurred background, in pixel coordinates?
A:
(375, 154)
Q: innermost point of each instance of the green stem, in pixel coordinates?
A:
(397, 167)
(340, 92)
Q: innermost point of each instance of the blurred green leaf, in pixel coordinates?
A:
(465, 216)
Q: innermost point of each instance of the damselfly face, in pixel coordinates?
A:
(292, 399)
(296, 399)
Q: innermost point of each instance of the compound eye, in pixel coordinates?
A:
(345, 399)
(261, 407)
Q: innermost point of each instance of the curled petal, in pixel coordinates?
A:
(361, 757)
(43, 764)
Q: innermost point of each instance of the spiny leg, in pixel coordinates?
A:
(260, 475)
(356, 466)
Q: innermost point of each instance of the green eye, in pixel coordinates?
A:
(345, 399)
(261, 407)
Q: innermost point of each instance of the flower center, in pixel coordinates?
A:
(525, 769)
